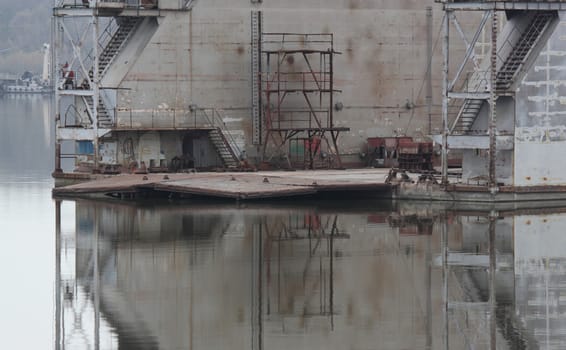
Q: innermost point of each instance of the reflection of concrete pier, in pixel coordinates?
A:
(178, 276)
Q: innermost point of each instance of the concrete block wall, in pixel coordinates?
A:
(202, 57)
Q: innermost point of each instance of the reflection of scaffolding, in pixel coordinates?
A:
(78, 322)
(297, 84)
(314, 299)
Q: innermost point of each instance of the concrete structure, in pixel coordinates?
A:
(191, 84)
(509, 126)
(172, 73)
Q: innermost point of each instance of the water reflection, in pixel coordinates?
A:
(26, 136)
(217, 276)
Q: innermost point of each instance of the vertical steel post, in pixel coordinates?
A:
(331, 73)
(493, 100)
(429, 67)
(445, 51)
(96, 90)
(56, 44)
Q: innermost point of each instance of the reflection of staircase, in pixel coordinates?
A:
(225, 151)
(104, 119)
(125, 29)
(506, 74)
(467, 115)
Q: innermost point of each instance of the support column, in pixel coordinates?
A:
(429, 67)
(56, 43)
(445, 51)
(96, 92)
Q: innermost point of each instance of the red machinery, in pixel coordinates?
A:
(402, 152)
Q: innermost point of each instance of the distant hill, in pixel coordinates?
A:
(24, 27)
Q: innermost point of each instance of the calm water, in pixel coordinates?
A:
(291, 275)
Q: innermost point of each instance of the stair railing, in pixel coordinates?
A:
(476, 82)
(215, 120)
(104, 38)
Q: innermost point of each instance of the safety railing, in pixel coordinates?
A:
(139, 4)
(214, 118)
(172, 119)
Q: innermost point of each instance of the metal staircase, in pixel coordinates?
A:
(104, 119)
(467, 116)
(516, 59)
(507, 73)
(224, 149)
(126, 26)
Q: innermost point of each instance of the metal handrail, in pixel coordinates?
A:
(94, 3)
(218, 122)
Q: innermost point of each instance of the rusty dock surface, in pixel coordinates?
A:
(237, 185)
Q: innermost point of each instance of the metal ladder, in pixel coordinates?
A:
(256, 23)
(517, 58)
(113, 47)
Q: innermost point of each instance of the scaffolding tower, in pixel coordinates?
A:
(297, 94)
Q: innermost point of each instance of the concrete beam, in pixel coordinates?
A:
(76, 92)
(469, 95)
(102, 12)
(505, 5)
(79, 134)
(504, 142)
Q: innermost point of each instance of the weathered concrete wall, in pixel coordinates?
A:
(540, 134)
(475, 162)
(202, 57)
(159, 148)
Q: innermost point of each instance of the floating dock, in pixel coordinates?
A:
(237, 185)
